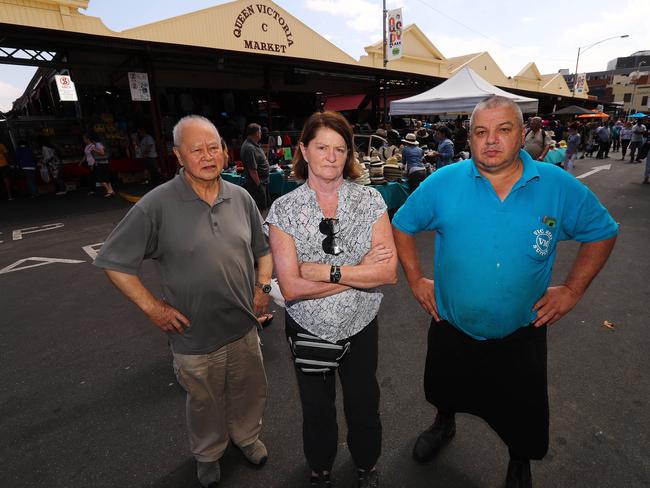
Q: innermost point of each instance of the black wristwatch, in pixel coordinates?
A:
(266, 287)
(335, 274)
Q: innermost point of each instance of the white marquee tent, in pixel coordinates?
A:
(458, 95)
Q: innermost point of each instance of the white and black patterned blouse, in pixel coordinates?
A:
(298, 214)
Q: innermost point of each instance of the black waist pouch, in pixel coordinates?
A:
(311, 354)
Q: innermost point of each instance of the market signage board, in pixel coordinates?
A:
(580, 83)
(394, 23)
(267, 31)
(65, 86)
(139, 85)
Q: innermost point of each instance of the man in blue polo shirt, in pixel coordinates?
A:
(498, 219)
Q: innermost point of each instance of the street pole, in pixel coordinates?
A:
(385, 115)
(636, 82)
(575, 78)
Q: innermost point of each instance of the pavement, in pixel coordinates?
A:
(89, 398)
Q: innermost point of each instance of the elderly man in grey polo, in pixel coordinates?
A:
(206, 236)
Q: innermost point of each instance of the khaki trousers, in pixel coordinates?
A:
(226, 395)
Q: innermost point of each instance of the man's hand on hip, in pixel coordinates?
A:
(422, 288)
(555, 304)
(167, 317)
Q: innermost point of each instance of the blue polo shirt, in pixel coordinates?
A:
(493, 259)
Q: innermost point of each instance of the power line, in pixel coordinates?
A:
(464, 25)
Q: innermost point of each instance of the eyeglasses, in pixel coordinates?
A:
(330, 227)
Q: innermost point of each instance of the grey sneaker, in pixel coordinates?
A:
(255, 453)
(208, 473)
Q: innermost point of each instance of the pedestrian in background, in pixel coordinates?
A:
(638, 134)
(615, 131)
(52, 161)
(205, 235)
(444, 153)
(572, 145)
(603, 137)
(537, 141)
(96, 160)
(412, 158)
(149, 153)
(257, 167)
(332, 247)
(26, 162)
(491, 302)
(626, 137)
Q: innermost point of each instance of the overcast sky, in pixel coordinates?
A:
(513, 32)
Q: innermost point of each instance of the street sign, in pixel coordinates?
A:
(139, 85)
(65, 86)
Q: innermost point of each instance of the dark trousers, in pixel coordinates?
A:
(152, 166)
(503, 381)
(360, 403)
(415, 178)
(259, 193)
(624, 144)
(616, 144)
(633, 147)
(643, 151)
(30, 180)
(603, 149)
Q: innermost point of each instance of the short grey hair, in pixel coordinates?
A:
(494, 101)
(177, 132)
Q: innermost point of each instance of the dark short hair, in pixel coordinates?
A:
(253, 129)
(443, 129)
(329, 120)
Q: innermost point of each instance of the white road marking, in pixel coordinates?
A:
(19, 233)
(595, 169)
(39, 262)
(92, 249)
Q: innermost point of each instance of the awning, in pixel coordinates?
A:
(344, 102)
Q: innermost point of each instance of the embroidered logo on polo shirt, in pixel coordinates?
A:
(543, 238)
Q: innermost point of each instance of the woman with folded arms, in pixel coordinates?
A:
(332, 247)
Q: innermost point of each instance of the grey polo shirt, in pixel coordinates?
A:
(205, 254)
(254, 158)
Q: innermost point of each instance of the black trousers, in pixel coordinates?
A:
(503, 381)
(624, 144)
(357, 372)
(415, 178)
(152, 166)
(603, 149)
(633, 148)
(259, 193)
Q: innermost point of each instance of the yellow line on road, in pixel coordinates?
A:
(129, 198)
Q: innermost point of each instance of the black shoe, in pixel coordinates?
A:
(519, 474)
(321, 480)
(432, 440)
(368, 479)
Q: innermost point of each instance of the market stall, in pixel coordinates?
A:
(458, 95)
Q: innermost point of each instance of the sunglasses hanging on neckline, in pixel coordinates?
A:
(330, 228)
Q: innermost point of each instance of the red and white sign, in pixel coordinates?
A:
(65, 86)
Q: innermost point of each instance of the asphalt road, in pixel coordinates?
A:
(89, 398)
